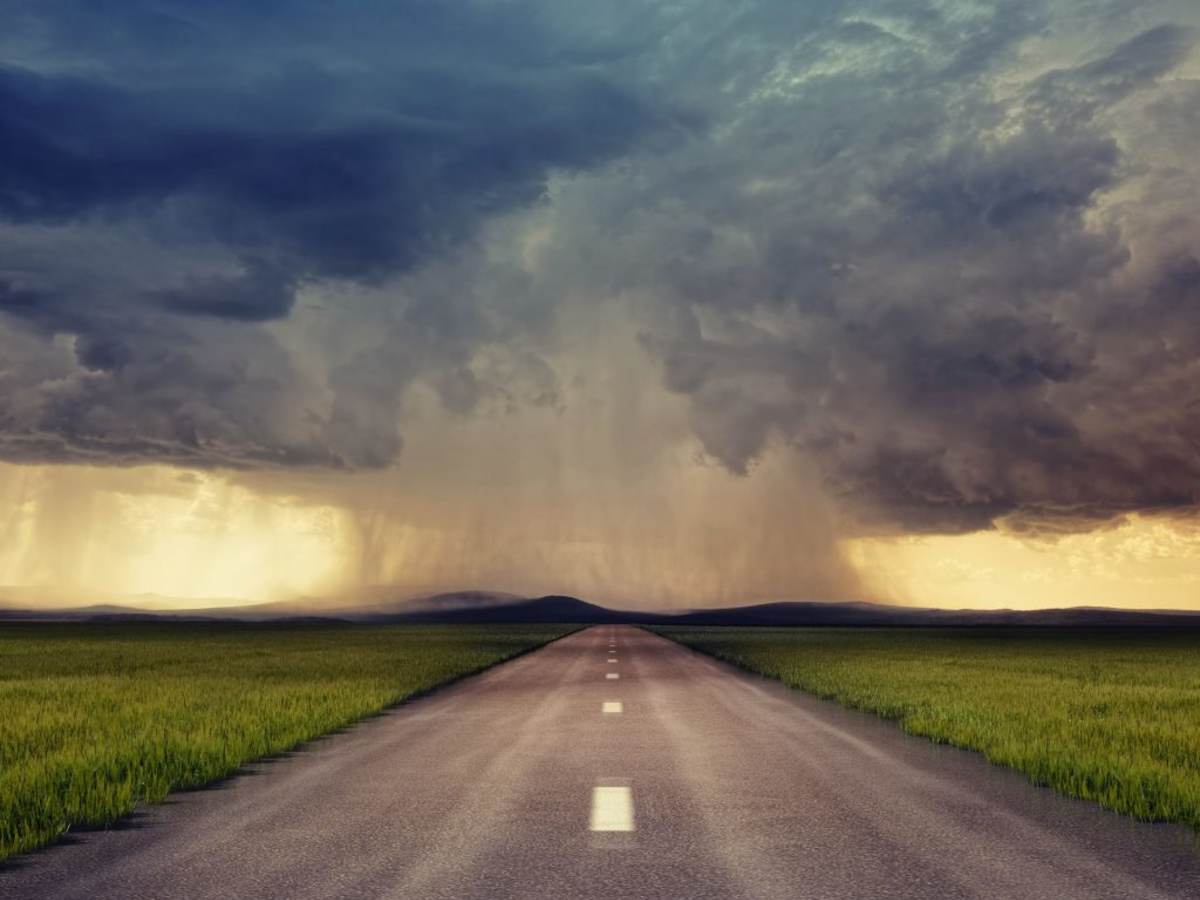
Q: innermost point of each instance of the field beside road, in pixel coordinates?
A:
(1112, 717)
(96, 718)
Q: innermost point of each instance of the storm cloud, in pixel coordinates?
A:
(943, 281)
(229, 156)
(944, 254)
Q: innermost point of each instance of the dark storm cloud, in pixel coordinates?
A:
(925, 289)
(127, 390)
(365, 196)
(1065, 95)
(261, 293)
(946, 251)
(260, 148)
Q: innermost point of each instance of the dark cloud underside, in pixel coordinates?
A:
(945, 251)
(260, 148)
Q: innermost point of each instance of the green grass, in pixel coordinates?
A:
(95, 719)
(1109, 717)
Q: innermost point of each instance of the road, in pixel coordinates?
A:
(527, 782)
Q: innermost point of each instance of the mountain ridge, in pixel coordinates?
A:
(488, 607)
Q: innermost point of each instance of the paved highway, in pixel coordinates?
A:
(615, 764)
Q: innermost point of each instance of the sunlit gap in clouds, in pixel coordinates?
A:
(86, 535)
(680, 534)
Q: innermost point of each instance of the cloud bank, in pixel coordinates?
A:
(943, 255)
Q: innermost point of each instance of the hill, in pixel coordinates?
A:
(482, 607)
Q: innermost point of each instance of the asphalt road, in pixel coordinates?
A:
(708, 783)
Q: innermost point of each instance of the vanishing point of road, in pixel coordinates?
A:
(616, 764)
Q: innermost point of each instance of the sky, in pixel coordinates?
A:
(660, 304)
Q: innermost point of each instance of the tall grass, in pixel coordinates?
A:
(95, 719)
(1109, 717)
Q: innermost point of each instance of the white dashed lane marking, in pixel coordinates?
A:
(612, 676)
(612, 706)
(612, 809)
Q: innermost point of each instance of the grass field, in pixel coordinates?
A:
(97, 718)
(1109, 717)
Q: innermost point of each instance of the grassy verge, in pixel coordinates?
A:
(1109, 717)
(95, 719)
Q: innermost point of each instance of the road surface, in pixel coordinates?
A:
(615, 764)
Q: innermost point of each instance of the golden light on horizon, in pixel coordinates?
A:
(1144, 562)
(86, 532)
(159, 531)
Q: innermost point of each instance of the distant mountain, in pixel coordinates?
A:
(49, 598)
(875, 614)
(448, 607)
(552, 608)
(445, 602)
(483, 607)
(371, 602)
